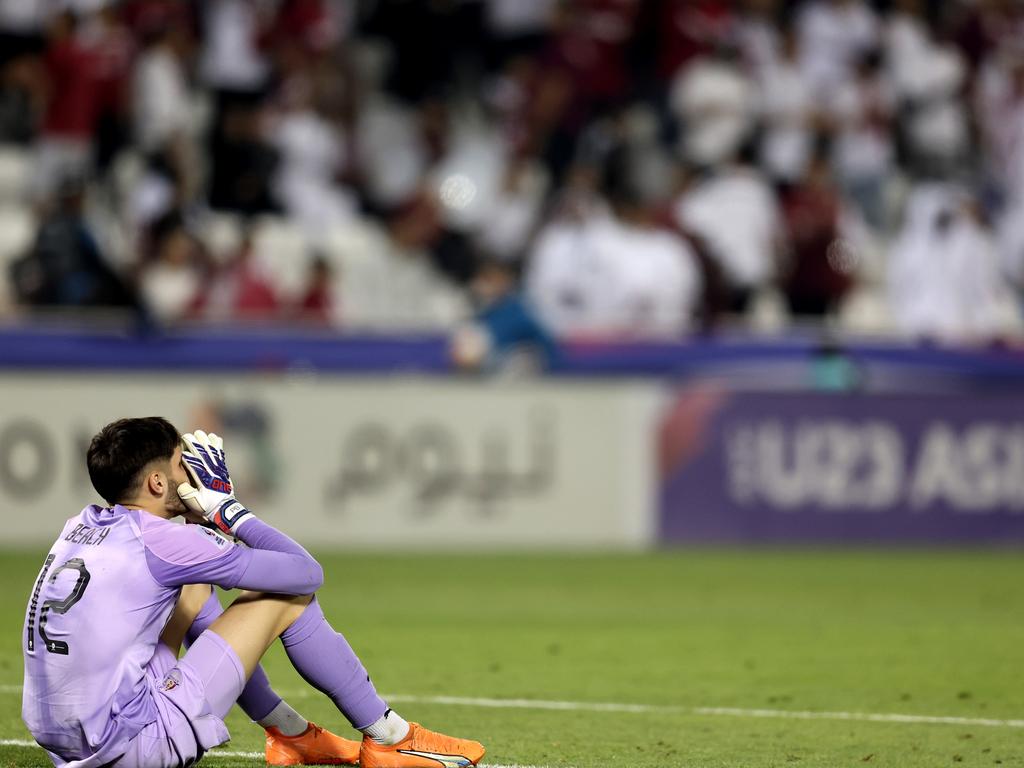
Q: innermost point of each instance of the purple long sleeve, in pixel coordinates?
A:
(302, 574)
(260, 535)
(192, 554)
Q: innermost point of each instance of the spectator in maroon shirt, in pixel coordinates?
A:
(72, 108)
(689, 29)
(582, 74)
(318, 305)
(74, 79)
(818, 275)
(145, 17)
(242, 291)
(590, 42)
(308, 23)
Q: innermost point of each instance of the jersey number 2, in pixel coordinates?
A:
(57, 606)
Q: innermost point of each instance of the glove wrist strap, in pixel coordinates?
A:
(231, 514)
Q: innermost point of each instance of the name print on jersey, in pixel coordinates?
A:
(86, 534)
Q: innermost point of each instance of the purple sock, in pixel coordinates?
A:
(327, 662)
(258, 699)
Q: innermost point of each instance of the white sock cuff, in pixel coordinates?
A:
(285, 719)
(389, 729)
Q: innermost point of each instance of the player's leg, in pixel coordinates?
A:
(207, 681)
(190, 603)
(290, 738)
(325, 660)
(254, 621)
(258, 699)
(197, 608)
(169, 739)
(163, 742)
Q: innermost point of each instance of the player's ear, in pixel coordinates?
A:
(156, 483)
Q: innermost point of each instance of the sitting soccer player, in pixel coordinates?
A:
(123, 586)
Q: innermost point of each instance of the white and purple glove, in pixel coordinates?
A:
(210, 492)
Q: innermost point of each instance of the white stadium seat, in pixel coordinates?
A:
(381, 288)
(865, 311)
(358, 253)
(221, 234)
(15, 168)
(17, 231)
(282, 250)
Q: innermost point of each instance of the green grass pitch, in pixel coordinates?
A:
(916, 633)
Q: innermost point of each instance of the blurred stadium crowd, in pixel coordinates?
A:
(584, 168)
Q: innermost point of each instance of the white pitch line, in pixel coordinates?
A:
(229, 753)
(868, 717)
(575, 706)
(581, 706)
(597, 706)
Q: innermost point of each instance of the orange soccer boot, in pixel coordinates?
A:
(314, 746)
(421, 749)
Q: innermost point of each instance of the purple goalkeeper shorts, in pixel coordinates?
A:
(193, 695)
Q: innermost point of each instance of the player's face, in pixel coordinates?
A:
(176, 476)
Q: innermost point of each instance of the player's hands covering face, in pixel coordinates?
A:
(210, 492)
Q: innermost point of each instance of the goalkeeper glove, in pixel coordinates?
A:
(210, 492)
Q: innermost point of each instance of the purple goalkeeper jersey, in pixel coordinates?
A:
(105, 592)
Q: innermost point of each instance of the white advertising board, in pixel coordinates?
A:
(400, 463)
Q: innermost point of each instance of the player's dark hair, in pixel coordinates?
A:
(123, 449)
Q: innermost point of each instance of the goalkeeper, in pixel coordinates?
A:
(117, 595)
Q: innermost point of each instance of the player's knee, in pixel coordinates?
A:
(310, 579)
(316, 578)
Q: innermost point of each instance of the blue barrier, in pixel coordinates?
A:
(221, 350)
(790, 361)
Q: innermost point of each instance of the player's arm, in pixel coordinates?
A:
(193, 554)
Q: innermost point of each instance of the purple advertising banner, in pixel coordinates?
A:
(822, 467)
